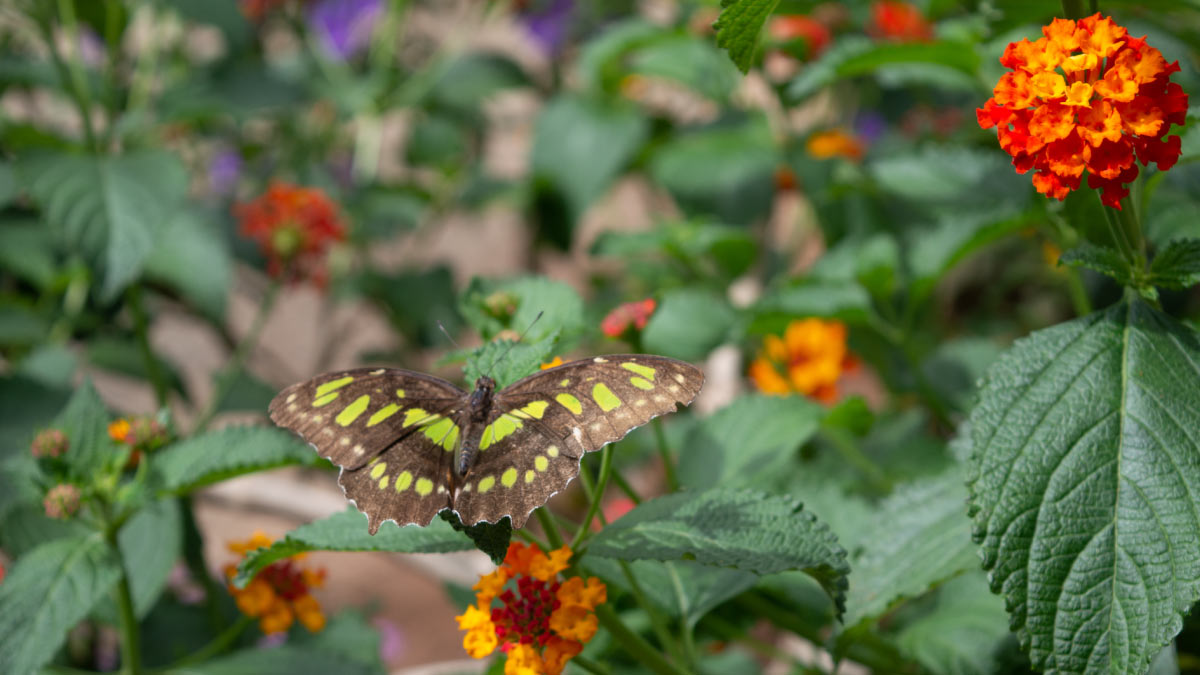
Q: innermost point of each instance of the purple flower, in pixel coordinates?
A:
(344, 26)
(548, 22)
(224, 170)
(870, 126)
(392, 642)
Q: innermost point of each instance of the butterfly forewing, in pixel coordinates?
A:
(547, 421)
(353, 415)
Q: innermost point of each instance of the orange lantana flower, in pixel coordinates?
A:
(280, 593)
(834, 143)
(808, 359)
(294, 227)
(1086, 96)
(543, 623)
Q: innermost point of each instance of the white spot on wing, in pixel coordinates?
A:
(600, 360)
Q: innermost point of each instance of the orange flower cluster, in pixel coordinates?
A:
(280, 593)
(541, 625)
(898, 22)
(1086, 96)
(631, 316)
(294, 227)
(834, 143)
(808, 359)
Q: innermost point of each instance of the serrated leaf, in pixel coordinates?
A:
(684, 589)
(919, 538)
(1177, 265)
(688, 324)
(285, 660)
(110, 209)
(26, 526)
(151, 543)
(1085, 468)
(962, 632)
(193, 258)
(506, 361)
(581, 144)
(217, 455)
(46, 593)
(1102, 259)
(85, 422)
(741, 529)
(738, 28)
(491, 538)
(347, 531)
(748, 441)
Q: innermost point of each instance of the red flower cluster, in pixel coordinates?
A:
(294, 227)
(898, 22)
(631, 316)
(788, 27)
(1086, 96)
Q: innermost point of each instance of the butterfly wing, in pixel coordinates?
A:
(393, 432)
(547, 421)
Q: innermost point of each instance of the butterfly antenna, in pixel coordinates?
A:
(448, 335)
(514, 344)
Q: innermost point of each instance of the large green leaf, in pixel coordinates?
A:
(688, 324)
(683, 589)
(28, 405)
(193, 258)
(741, 529)
(347, 531)
(27, 251)
(507, 361)
(514, 304)
(738, 28)
(285, 660)
(581, 144)
(110, 209)
(962, 632)
(918, 539)
(747, 442)
(218, 455)
(691, 61)
(46, 593)
(1086, 467)
(855, 56)
(844, 300)
(151, 543)
(85, 422)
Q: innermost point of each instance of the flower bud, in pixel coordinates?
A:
(50, 443)
(62, 501)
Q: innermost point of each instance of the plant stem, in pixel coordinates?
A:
(633, 643)
(553, 536)
(656, 621)
(219, 645)
(626, 487)
(69, 72)
(1076, 291)
(590, 665)
(597, 495)
(1131, 228)
(660, 439)
(141, 328)
(849, 450)
(229, 374)
(1073, 9)
(131, 650)
(1117, 231)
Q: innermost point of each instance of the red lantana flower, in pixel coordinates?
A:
(631, 316)
(1086, 96)
(788, 27)
(899, 22)
(294, 227)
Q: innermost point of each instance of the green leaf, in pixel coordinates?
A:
(466, 82)
(688, 324)
(704, 249)
(27, 251)
(690, 61)
(349, 636)
(963, 631)
(581, 144)
(492, 539)
(9, 188)
(950, 175)
(285, 660)
(491, 306)
(508, 361)
(217, 455)
(224, 14)
(1177, 265)
(1085, 466)
(738, 28)
(21, 324)
(918, 539)
(417, 320)
(85, 422)
(1102, 259)
(933, 251)
(121, 354)
(26, 525)
(110, 209)
(193, 258)
(749, 441)
(741, 529)
(853, 56)
(601, 62)
(46, 593)
(347, 531)
(151, 543)
(684, 589)
(845, 300)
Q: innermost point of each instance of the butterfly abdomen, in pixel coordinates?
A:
(479, 413)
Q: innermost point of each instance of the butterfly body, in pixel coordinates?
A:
(410, 444)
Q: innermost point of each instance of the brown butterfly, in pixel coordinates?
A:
(411, 445)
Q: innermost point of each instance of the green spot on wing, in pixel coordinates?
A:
(605, 398)
(645, 371)
(352, 411)
(333, 385)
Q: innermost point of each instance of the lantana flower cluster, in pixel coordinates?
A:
(281, 593)
(294, 228)
(629, 318)
(541, 622)
(809, 359)
(1086, 96)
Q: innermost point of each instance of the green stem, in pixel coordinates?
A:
(1073, 9)
(633, 643)
(219, 645)
(1078, 294)
(193, 557)
(69, 73)
(591, 666)
(141, 328)
(626, 487)
(531, 538)
(112, 40)
(1118, 233)
(131, 650)
(553, 536)
(841, 440)
(597, 495)
(656, 621)
(660, 439)
(230, 373)
(1131, 228)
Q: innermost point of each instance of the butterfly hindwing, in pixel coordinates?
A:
(351, 416)
(410, 481)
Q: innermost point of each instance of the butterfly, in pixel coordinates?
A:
(410, 445)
